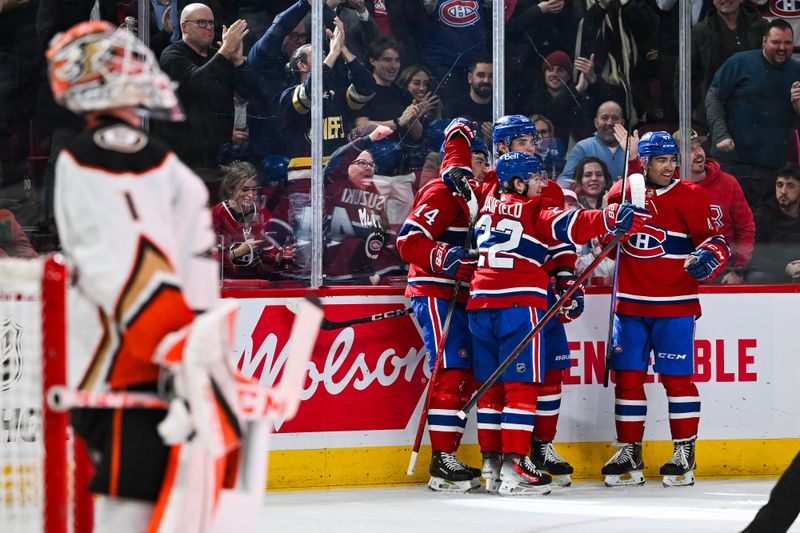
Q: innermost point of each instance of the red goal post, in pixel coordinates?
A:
(43, 473)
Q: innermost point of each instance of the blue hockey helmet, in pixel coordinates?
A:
(516, 165)
(387, 155)
(274, 168)
(509, 127)
(478, 146)
(657, 143)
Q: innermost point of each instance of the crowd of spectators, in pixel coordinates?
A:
(394, 72)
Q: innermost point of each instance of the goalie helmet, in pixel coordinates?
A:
(509, 127)
(516, 165)
(95, 67)
(655, 143)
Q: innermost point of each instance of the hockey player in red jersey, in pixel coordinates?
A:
(517, 133)
(515, 234)
(660, 268)
(433, 241)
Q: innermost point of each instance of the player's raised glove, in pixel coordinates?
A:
(461, 126)
(625, 218)
(455, 261)
(573, 306)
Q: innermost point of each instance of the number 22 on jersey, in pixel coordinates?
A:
(503, 239)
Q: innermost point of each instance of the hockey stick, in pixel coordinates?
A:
(638, 199)
(463, 188)
(462, 414)
(613, 306)
(329, 324)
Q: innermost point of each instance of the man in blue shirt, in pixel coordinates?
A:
(751, 107)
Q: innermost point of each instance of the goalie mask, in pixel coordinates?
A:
(96, 67)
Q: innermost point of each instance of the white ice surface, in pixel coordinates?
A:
(708, 507)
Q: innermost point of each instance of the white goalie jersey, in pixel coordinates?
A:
(134, 221)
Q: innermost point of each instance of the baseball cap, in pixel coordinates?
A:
(692, 136)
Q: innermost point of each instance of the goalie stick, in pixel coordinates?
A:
(462, 414)
(466, 192)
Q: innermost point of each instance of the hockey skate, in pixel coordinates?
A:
(546, 459)
(679, 471)
(448, 474)
(520, 477)
(627, 460)
(492, 462)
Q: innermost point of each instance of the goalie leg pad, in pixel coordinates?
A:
(121, 515)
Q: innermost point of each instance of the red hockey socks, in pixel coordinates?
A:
(684, 406)
(490, 409)
(630, 405)
(548, 405)
(444, 426)
(517, 419)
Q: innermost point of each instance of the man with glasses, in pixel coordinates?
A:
(207, 77)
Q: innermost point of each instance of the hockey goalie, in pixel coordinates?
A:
(134, 223)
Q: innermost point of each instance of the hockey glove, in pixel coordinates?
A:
(573, 306)
(625, 218)
(461, 126)
(454, 261)
(706, 262)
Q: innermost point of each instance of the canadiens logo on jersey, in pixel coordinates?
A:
(10, 353)
(785, 8)
(647, 244)
(459, 13)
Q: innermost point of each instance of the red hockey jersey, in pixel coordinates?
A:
(438, 214)
(561, 257)
(652, 281)
(515, 235)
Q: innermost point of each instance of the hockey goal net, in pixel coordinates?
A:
(38, 455)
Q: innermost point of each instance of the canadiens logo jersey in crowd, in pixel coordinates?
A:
(455, 33)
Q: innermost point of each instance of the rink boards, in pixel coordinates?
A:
(363, 396)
